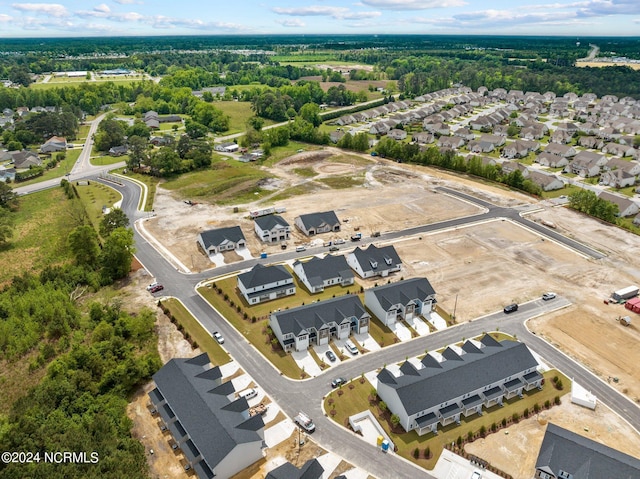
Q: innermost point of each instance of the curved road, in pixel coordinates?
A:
(293, 396)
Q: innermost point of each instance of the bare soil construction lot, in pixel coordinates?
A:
(514, 450)
(487, 265)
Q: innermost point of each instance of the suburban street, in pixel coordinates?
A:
(293, 396)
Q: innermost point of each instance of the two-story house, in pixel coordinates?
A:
(316, 323)
(271, 228)
(403, 300)
(374, 261)
(319, 273)
(264, 283)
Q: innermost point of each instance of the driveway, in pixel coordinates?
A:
(278, 433)
(321, 350)
(367, 342)
(452, 466)
(438, 321)
(401, 331)
(305, 362)
(419, 325)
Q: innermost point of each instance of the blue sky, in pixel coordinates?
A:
(586, 18)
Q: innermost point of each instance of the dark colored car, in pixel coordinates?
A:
(334, 248)
(330, 356)
(156, 288)
(512, 308)
(338, 382)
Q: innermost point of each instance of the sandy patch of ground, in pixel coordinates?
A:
(517, 451)
(635, 66)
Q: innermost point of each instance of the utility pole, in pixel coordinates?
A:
(454, 308)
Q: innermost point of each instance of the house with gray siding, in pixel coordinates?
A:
(374, 261)
(319, 273)
(213, 429)
(312, 224)
(221, 239)
(316, 323)
(264, 283)
(403, 300)
(440, 388)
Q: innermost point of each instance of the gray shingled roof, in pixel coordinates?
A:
(317, 220)
(373, 254)
(213, 428)
(269, 222)
(319, 270)
(218, 236)
(437, 383)
(403, 291)
(583, 458)
(318, 314)
(311, 469)
(259, 275)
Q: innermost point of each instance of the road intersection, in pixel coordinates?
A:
(307, 395)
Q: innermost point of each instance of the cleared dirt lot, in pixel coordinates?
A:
(517, 451)
(487, 265)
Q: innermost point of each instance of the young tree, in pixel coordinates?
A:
(8, 198)
(311, 113)
(116, 218)
(117, 254)
(83, 243)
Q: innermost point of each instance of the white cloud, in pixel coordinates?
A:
(5, 18)
(413, 4)
(338, 13)
(291, 22)
(49, 9)
(128, 2)
(609, 7)
(104, 8)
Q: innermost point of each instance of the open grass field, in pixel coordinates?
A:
(205, 342)
(43, 222)
(227, 182)
(106, 160)
(239, 112)
(59, 171)
(349, 400)
(95, 196)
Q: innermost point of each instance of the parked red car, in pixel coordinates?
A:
(156, 288)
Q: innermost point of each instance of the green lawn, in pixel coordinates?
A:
(95, 196)
(282, 152)
(59, 171)
(343, 182)
(107, 160)
(355, 397)
(567, 190)
(306, 172)
(628, 191)
(192, 329)
(42, 224)
(239, 112)
(304, 189)
(226, 182)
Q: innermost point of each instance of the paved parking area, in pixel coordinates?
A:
(305, 362)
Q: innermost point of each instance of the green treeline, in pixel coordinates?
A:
(93, 355)
(406, 152)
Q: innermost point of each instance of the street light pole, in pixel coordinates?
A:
(454, 308)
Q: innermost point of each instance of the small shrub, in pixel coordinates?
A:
(547, 404)
(504, 422)
(536, 408)
(483, 431)
(494, 427)
(556, 400)
(525, 413)
(459, 441)
(470, 436)
(427, 452)
(416, 453)
(515, 417)
(559, 385)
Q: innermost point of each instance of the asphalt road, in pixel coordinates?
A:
(293, 396)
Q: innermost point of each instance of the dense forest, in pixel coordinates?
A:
(90, 354)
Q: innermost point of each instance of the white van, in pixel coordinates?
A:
(349, 346)
(300, 248)
(248, 393)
